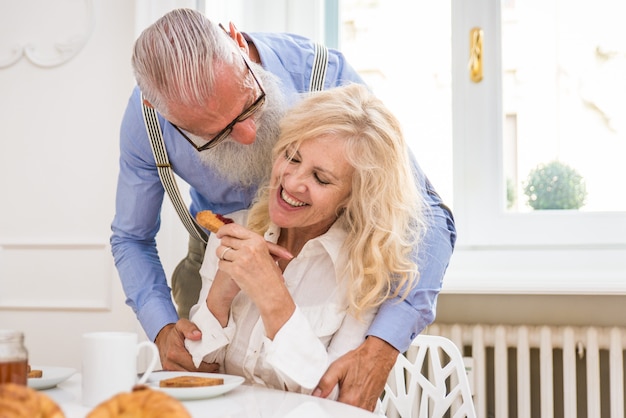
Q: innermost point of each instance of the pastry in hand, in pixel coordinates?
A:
(212, 221)
(142, 402)
(19, 401)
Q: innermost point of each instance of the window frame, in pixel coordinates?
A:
(562, 252)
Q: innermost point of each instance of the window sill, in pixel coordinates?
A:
(536, 270)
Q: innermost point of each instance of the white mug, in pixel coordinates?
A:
(109, 364)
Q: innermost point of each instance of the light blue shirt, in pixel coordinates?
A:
(140, 196)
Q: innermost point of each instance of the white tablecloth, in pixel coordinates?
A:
(242, 402)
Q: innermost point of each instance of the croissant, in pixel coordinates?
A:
(142, 402)
(19, 401)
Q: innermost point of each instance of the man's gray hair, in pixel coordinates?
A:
(174, 58)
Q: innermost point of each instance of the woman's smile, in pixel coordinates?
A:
(290, 200)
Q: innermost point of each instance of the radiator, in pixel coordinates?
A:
(541, 371)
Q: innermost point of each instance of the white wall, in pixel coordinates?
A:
(58, 169)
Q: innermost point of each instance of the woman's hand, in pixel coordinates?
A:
(250, 262)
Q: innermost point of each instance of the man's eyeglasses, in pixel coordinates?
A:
(223, 134)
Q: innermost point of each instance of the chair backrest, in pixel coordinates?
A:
(428, 382)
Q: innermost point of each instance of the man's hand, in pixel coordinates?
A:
(174, 355)
(361, 374)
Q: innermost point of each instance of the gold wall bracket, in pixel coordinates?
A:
(476, 55)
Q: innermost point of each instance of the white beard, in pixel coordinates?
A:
(249, 165)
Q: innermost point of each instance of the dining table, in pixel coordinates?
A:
(244, 401)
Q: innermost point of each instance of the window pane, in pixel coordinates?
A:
(402, 48)
(564, 99)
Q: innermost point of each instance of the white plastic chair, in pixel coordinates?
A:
(429, 382)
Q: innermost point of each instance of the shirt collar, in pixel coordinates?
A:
(330, 242)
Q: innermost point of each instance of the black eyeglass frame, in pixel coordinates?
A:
(223, 134)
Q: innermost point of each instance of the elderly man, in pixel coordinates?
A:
(219, 95)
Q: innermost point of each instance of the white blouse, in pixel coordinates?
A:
(319, 331)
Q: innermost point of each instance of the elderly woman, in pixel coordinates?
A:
(342, 200)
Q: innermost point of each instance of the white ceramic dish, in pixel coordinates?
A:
(201, 392)
(51, 376)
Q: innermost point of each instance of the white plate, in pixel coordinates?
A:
(201, 392)
(51, 377)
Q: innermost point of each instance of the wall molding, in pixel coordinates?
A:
(57, 276)
(62, 51)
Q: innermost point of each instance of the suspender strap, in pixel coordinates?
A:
(167, 175)
(318, 72)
